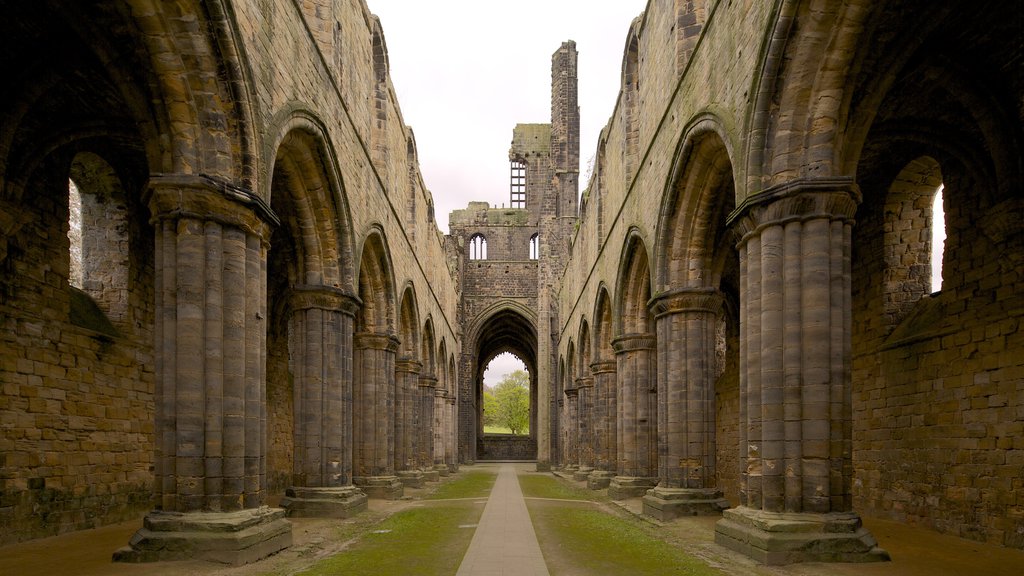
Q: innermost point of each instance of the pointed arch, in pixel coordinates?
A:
(376, 287)
(633, 288)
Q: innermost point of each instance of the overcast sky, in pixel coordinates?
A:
(467, 71)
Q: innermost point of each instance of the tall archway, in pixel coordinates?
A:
(604, 370)
(375, 347)
(636, 376)
(504, 327)
(408, 368)
(696, 310)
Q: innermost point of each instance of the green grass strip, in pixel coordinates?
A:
(424, 540)
(469, 484)
(582, 539)
(546, 486)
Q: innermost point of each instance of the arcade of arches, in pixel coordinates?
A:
(222, 284)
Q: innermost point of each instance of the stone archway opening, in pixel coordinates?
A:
(505, 334)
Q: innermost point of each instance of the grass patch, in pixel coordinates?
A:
(546, 486)
(425, 541)
(580, 538)
(471, 484)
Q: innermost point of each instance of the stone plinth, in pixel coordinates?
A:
(339, 502)
(441, 469)
(670, 503)
(230, 537)
(776, 538)
(382, 487)
(582, 473)
(411, 478)
(599, 479)
(622, 487)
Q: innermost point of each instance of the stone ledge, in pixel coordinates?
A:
(599, 479)
(622, 487)
(335, 502)
(670, 503)
(381, 487)
(234, 538)
(786, 538)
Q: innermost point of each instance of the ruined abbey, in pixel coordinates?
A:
(225, 300)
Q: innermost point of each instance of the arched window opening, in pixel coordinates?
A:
(534, 246)
(98, 239)
(938, 240)
(478, 247)
(506, 396)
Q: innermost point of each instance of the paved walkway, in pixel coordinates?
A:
(504, 543)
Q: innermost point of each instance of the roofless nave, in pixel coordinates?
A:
(734, 314)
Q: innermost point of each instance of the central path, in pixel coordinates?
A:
(504, 543)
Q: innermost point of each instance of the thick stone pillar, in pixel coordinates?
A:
(407, 387)
(440, 431)
(571, 457)
(584, 429)
(795, 390)
(320, 358)
(425, 428)
(210, 392)
(636, 434)
(686, 326)
(373, 399)
(604, 424)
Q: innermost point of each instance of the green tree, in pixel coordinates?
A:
(512, 402)
(490, 408)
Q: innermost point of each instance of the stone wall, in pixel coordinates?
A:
(507, 447)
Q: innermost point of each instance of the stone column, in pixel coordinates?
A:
(407, 384)
(571, 457)
(373, 429)
(686, 323)
(636, 434)
(440, 431)
(320, 358)
(425, 428)
(584, 429)
(795, 390)
(604, 424)
(210, 391)
(452, 429)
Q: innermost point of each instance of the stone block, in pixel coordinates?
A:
(334, 502)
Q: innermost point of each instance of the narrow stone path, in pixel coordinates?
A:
(504, 543)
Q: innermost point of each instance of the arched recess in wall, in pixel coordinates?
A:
(585, 401)
(408, 368)
(697, 304)
(380, 151)
(505, 326)
(604, 369)
(308, 279)
(630, 105)
(635, 347)
(942, 109)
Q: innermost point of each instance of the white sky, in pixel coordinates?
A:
(467, 71)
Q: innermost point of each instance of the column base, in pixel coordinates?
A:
(454, 467)
(334, 502)
(441, 469)
(599, 479)
(582, 473)
(785, 538)
(622, 487)
(543, 466)
(411, 478)
(229, 537)
(430, 475)
(380, 487)
(670, 503)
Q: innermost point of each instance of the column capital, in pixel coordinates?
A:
(428, 381)
(408, 365)
(631, 342)
(603, 367)
(374, 341)
(797, 200)
(305, 297)
(209, 198)
(571, 393)
(584, 382)
(708, 300)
